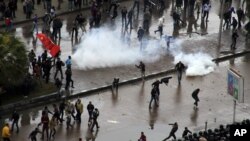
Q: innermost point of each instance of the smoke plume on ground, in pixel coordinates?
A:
(102, 48)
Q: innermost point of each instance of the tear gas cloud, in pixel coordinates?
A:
(198, 64)
(102, 48)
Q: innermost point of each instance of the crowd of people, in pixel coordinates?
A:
(65, 111)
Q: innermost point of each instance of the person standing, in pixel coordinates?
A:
(195, 97)
(140, 34)
(156, 85)
(167, 40)
(234, 40)
(62, 108)
(45, 123)
(59, 65)
(68, 74)
(79, 110)
(68, 118)
(234, 23)
(58, 84)
(173, 131)
(52, 125)
(136, 4)
(115, 84)
(47, 68)
(15, 119)
(35, 24)
(95, 116)
(8, 24)
(142, 137)
(68, 62)
(141, 66)
(29, 8)
(124, 15)
(179, 67)
(154, 96)
(12, 8)
(90, 109)
(57, 113)
(206, 9)
(240, 15)
(6, 132)
(130, 19)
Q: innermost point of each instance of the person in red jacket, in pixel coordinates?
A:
(143, 137)
(45, 123)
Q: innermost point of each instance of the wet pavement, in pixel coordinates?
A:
(124, 115)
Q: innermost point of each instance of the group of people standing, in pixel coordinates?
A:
(64, 112)
(42, 65)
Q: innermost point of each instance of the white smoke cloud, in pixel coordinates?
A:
(198, 64)
(102, 48)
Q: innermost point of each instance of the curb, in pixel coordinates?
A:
(28, 103)
(233, 55)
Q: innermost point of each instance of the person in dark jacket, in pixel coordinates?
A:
(142, 137)
(234, 23)
(68, 74)
(33, 134)
(57, 25)
(195, 97)
(95, 116)
(179, 67)
(185, 132)
(47, 68)
(173, 131)
(234, 40)
(12, 7)
(130, 19)
(140, 34)
(29, 8)
(142, 67)
(90, 108)
(124, 15)
(240, 15)
(156, 84)
(59, 65)
(155, 97)
(15, 119)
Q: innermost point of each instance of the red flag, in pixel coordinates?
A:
(48, 44)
